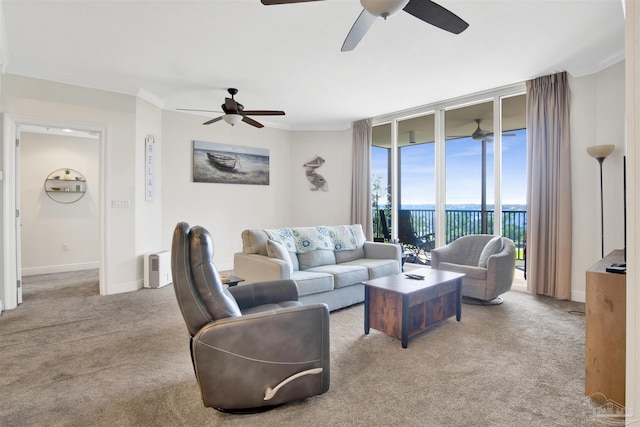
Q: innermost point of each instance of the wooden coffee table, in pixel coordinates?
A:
(403, 307)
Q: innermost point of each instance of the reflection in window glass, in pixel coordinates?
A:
(469, 157)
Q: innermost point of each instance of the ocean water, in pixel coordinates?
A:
(251, 169)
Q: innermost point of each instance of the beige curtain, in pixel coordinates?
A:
(549, 213)
(361, 177)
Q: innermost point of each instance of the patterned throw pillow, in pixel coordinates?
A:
(278, 251)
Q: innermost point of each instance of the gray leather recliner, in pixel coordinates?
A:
(252, 346)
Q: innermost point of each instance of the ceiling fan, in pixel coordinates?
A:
(480, 134)
(424, 10)
(235, 113)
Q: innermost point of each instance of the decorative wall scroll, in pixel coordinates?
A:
(149, 142)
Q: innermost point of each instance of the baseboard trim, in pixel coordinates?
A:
(518, 287)
(578, 296)
(120, 288)
(49, 269)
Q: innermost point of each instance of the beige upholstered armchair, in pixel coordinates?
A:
(487, 261)
(253, 346)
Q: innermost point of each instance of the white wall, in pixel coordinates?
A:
(46, 224)
(333, 207)
(597, 118)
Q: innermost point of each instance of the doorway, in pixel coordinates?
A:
(58, 211)
(13, 126)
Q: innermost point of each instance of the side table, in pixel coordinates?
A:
(232, 280)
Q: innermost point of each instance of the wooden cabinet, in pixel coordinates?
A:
(605, 330)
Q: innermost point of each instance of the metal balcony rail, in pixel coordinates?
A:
(463, 222)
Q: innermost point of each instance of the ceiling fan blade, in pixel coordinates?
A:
(357, 32)
(212, 120)
(250, 121)
(262, 113)
(231, 106)
(436, 15)
(272, 2)
(194, 109)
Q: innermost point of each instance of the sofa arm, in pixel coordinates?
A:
(261, 293)
(257, 268)
(237, 360)
(379, 250)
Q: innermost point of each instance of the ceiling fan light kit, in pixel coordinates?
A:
(232, 119)
(383, 8)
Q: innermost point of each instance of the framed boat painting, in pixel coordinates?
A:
(230, 164)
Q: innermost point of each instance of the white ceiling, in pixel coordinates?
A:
(184, 53)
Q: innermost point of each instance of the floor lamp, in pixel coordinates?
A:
(601, 152)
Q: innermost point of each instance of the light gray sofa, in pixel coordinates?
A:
(327, 263)
(488, 262)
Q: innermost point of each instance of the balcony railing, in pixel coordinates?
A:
(463, 222)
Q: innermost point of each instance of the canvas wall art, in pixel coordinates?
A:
(230, 164)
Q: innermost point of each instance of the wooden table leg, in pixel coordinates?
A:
(366, 309)
(405, 321)
(458, 299)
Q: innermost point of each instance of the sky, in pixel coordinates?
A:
(464, 171)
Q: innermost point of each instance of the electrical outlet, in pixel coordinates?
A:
(65, 247)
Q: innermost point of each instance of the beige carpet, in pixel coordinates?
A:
(70, 357)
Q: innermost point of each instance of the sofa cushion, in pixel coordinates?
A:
(358, 234)
(254, 242)
(350, 255)
(278, 251)
(377, 267)
(343, 275)
(492, 247)
(316, 258)
(310, 282)
(284, 236)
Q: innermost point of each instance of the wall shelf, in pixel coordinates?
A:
(65, 185)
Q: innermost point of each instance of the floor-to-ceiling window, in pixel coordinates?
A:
(381, 181)
(469, 162)
(448, 170)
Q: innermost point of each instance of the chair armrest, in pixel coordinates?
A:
(501, 269)
(238, 359)
(379, 250)
(501, 263)
(260, 293)
(257, 268)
